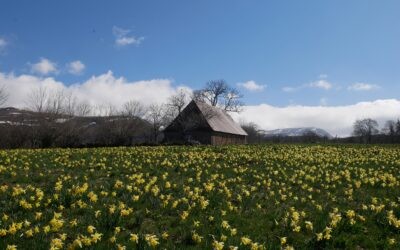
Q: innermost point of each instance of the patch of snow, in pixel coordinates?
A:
(61, 120)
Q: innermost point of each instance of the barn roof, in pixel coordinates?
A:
(219, 120)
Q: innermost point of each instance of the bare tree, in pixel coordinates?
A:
(365, 129)
(389, 128)
(156, 117)
(83, 109)
(219, 93)
(50, 106)
(3, 95)
(178, 101)
(37, 99)
(56, 102)
(232, 101)
(398, 127)
(105, 110)
(70, 104)
(254, 134)
(175, 105)
(133, 109)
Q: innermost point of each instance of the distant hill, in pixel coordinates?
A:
(294, 132)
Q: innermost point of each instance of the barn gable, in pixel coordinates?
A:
(190, 118)
(220, 120)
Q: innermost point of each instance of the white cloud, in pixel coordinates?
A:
(124, 38)
(319, 84)
(322, 84)
(44, 67)
(359, 86)
(252, 86)
(337, 120)
(76, 67)
(289, 89)
(104, 89)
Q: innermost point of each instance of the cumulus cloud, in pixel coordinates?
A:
(76, 67)
(104, 89)
(337, 120)
(360, 86)
(322, 83)
(252, 86)
(44, 67)
(123, 37)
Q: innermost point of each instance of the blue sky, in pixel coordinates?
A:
(311, 53)
(274, 43)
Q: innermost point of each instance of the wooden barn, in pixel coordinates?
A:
(205, 124)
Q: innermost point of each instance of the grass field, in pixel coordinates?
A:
(244, 197)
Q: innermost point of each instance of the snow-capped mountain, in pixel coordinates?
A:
(297, 132)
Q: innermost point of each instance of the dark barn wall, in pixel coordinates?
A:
(204, 137)
(225, 139)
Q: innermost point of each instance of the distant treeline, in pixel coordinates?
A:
(44, 132)
(28, 129)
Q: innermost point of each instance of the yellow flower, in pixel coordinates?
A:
(225, 224)
(5, 217)
(3, 232)
(309, 225)
(283, 240)
(26, 223)
(218, 245)
(38, 215)
(196, 237)
(151, 240)
(350, 214)
(165, 235)
(73, 223)
(96, 237)
(11, 247)
(245, 240)
(92, 196)
(56, 244)
(113, 239)
(90, 229)
(29, 233)
(224, 238)
(184, 215)
(134, 238)
(63, 236)
(46, 229)
(121, 247)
